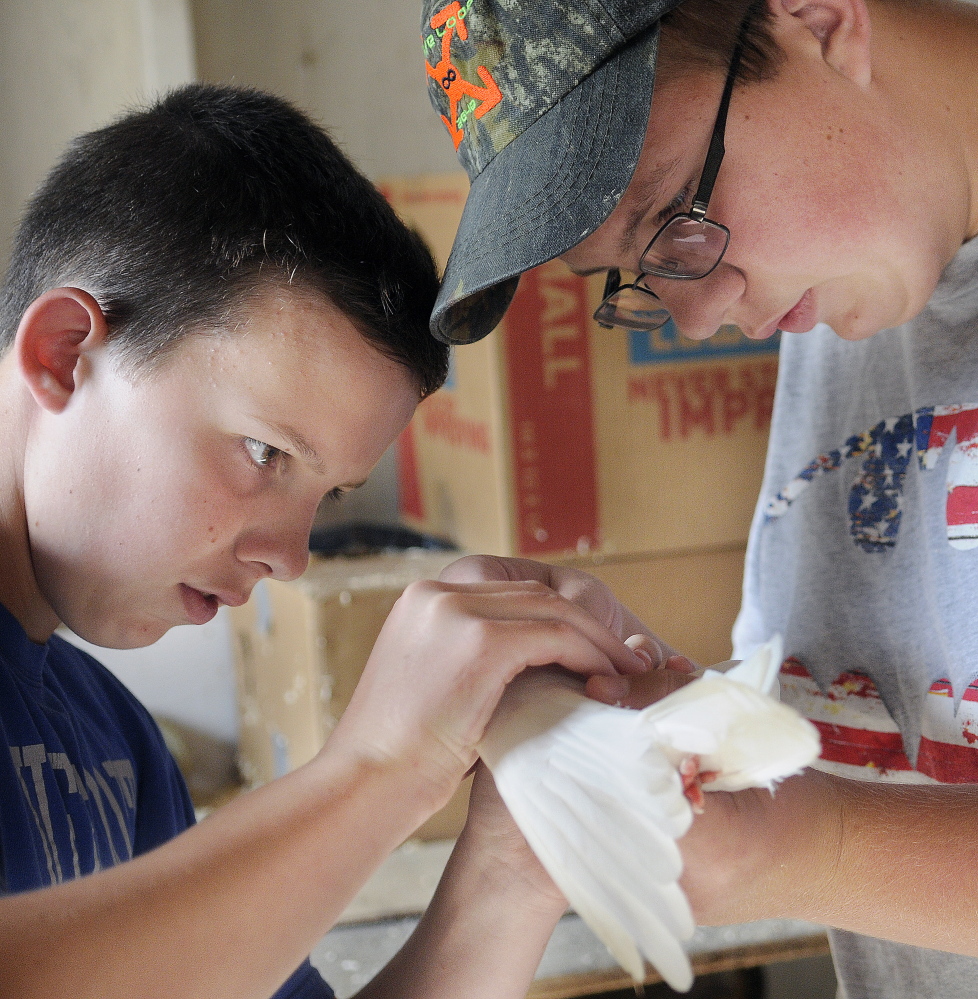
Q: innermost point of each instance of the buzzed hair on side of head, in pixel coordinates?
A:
(175, 215)
(701, 34)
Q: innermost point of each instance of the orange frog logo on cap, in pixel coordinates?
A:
(445, 24)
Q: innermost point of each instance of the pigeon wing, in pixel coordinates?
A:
(602, 810)
(596, 791)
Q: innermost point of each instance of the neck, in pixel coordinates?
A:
(19, 591)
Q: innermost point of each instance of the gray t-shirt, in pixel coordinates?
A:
(863, 556)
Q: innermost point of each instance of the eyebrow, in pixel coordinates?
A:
(650, 198)
(298, 443)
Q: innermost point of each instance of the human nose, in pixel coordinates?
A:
(278, 545)
(701, 306)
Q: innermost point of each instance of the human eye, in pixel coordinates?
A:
(335, 494)
(674, 206)
(262, 454)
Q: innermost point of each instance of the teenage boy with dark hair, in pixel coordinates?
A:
(211, 322)
(809, 166)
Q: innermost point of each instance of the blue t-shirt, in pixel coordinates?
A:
(87, 781)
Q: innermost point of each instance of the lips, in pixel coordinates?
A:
(200, 607)
(801, 318)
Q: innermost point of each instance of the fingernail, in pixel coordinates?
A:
(645, 656)
(680, 664)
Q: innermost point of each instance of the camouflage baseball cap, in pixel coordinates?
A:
(547, 103)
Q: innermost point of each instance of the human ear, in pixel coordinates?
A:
(842, 30)
(57, 329)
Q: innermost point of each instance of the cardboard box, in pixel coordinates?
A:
(299, 650)
(555, 437)
(689, 600)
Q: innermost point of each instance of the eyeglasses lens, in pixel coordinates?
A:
(632, 308)
(685, 248)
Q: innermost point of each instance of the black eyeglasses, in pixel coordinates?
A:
(687, 247)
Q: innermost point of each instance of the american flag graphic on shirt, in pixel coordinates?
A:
(886, 450)
(860, 739)
(859, 736)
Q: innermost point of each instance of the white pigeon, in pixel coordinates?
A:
(598, 794)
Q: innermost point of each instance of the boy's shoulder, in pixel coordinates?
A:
(86, 780)
(56, 692)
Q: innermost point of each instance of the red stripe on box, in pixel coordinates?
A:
(549, 369)
(410, 497)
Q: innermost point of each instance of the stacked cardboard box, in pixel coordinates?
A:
(637, 456)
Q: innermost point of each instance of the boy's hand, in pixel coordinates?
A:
(597, 599)
(494, 832)
(491, 826)
(440, 665)
(574, 584)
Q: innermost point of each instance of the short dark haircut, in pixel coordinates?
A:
(701, 34)
(175, 215)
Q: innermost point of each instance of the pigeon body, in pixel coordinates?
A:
(598, 794)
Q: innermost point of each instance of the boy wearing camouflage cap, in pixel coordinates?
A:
(809, 167)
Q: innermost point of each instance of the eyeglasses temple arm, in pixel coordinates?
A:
(714, 156)
(612, 283)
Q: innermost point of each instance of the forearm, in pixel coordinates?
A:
(228, 909)
(481, 937)
(886, 860)
(912, 855)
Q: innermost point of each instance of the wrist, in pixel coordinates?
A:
(424, 771)
(796, 873)
(484, 869)
(500, 860)
(487, 923)
(753, 855)
(400, 794)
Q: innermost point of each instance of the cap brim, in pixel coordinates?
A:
(547, 190)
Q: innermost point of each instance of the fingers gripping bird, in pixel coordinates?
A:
(602, 793)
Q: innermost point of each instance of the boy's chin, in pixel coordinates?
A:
(121, 635)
